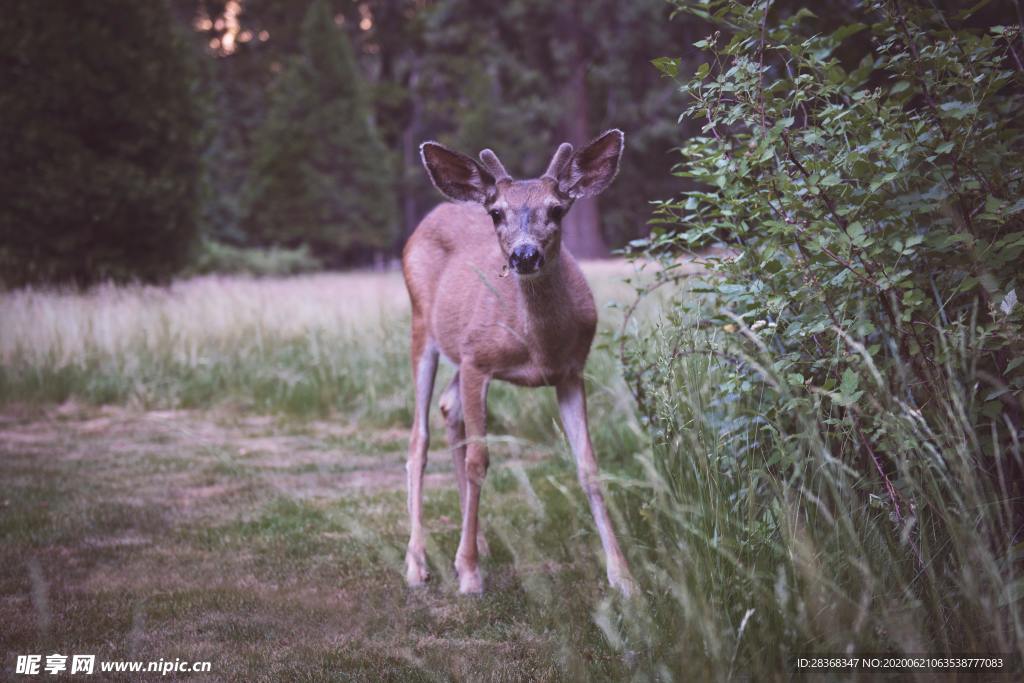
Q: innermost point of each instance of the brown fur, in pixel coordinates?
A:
(533, 329)
(532, 333)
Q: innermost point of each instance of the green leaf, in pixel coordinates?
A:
(668, 66)
(844, 32)
(958, 109)
(851, 380)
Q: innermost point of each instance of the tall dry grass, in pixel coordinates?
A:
(40, 327)
(309, 345)
(301, 345)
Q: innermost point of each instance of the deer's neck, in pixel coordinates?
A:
(542, 297)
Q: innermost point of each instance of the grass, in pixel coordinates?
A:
(307, 346)
(301, 346)
(195, 535)
(216, 471)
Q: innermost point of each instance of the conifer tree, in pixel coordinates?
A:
(98, 132)
(321, 175)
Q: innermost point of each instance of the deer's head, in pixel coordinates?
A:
(527, 214)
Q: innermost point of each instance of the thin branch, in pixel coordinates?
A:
(760, 60)
(894, 495)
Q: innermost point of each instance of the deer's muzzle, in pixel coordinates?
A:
(526, 259)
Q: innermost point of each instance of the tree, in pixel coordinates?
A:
(321, 174)
(98, 129)
(528, 75)
(520, 76)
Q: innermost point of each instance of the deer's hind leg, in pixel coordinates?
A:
(424, 369)
(455, 426)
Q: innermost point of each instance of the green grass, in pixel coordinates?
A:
(267, 577)
(216, 471)
(222, 463)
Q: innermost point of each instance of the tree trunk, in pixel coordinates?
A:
(581, 229)
(410, 156)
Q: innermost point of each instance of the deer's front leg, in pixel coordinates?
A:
(572, 403)
(451, 409)
(473, 391)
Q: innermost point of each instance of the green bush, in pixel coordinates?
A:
(837, 417)
(877, 208)
(878, 216)
(98, 127)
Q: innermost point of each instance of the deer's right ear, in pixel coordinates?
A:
(456, 176)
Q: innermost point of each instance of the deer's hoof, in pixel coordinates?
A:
(471, 582)
(623, 582)
(416, 573)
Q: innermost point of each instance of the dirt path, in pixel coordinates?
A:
(272, 548)
(306, 459)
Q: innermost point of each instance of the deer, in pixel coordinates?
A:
(495, 292)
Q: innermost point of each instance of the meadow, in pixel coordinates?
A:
(215, 471)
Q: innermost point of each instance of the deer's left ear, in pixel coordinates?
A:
(593, 168)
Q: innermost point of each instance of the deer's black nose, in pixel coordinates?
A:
(526, 259)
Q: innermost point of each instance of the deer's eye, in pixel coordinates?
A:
(555, 213)
(496, 215)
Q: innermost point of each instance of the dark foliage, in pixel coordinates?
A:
(320, 174)
(98, 127)
(518, 76)
(876, 207)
